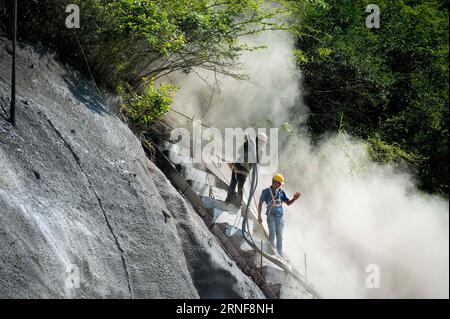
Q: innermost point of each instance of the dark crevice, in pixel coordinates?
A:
(37, 175)
(77, 160)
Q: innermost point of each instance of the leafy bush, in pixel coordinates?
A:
(380, 151)
(391, 84)
(126, 40)
(143, 108)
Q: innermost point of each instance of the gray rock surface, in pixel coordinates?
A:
(79, 199)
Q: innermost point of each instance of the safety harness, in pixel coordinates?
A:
(276, 202)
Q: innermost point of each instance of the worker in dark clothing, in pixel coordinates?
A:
(242, 168)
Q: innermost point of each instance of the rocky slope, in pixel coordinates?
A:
(83, 212)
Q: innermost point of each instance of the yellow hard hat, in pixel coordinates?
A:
(278, 178)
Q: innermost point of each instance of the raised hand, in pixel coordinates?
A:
(297, 195)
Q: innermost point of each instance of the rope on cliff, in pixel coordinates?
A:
(12, 116)
(87, 63)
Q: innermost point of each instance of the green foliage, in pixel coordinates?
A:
(380, 151)
(390, 84)
(143, 108)
(126, 40)
(145, 19)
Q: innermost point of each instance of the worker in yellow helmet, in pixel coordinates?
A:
(274, 197)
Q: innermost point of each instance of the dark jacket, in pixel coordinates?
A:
(244, 162)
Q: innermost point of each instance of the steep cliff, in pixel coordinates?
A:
(83, 212)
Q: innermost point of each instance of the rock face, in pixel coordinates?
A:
(83, 212)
